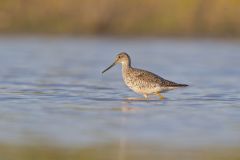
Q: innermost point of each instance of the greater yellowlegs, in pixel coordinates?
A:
(141, 81)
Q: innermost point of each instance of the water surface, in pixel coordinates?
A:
(52, 91)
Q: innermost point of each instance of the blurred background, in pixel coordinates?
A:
(216, 18)
(56, 104)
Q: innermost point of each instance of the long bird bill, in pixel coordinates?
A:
(109, 67)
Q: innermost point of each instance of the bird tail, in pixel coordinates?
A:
(181, 85)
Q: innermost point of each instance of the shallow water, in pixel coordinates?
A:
(52, 91)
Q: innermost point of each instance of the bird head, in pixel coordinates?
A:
(121, 58)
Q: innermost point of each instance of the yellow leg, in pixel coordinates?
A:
(160, 96)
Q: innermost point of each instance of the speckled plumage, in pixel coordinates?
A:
(141, 81)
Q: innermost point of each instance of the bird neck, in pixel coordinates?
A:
(126, 65)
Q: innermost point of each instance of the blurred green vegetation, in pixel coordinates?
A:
(122, 17)
(115, 152)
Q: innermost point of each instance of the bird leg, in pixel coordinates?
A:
(160, 96)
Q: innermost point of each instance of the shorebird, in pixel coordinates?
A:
(141, 81)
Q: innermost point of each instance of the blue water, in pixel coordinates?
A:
(52, 91)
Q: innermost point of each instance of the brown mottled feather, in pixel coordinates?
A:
(150, 77)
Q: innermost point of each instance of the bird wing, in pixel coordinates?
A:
(150, 77)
